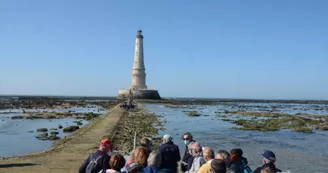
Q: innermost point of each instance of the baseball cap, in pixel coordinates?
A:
(269, 155)
(105, 142)
(167, 136)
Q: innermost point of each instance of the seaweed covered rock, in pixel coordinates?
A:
(90, 116)
(193, 114)
(17, 117)
(42, 136)
(42, 130)
(54, 133)
(70, 129)
(144, 123)
(53, 137)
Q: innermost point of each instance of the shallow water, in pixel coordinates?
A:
(16, 137)
(295, 151)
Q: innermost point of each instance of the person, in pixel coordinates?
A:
(101, 156)
(154, 162)
(170, 154)
(225, 155)
(269, 158)
(208, 155)
(191, 158)
(267, 170)
(244, 161)
(238, 161)
(139, 160)
(116, 163)
(218, 166)
(187, 138)
(198, 159)
(147, 143)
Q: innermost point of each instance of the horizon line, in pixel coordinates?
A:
(169, 97)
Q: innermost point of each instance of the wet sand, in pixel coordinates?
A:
(66, 155)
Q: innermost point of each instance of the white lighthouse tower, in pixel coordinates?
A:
(138, 70)
(138, 85)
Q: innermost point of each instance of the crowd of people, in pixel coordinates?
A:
(196, 159)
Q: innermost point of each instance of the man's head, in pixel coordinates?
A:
(190, 147)
(187, 137)
(147, 143)
(106, 146)
(269, 157)
(196, 148)
(223, 155)
(218, 166)
(236, 154)
(208, 153)
(167, 138)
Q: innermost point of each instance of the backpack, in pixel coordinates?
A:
(92, 166)
(247, 169)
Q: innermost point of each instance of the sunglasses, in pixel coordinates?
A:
(185, 138)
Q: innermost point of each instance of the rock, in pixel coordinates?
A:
(71, 129)
(42, 136)
(42, 130)
(31, 131)
(53, 129)
(54, 133)
(53, 137)
(60, 126)
(17, 117)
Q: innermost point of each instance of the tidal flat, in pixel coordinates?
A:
(37, 122)
(294, 131)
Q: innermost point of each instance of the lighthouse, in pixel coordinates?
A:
(138, 85)
(138, 70)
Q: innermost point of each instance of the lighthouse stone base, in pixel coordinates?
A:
(139, 94)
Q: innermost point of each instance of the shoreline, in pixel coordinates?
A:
(67, 154)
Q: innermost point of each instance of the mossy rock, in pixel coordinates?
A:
(42, 135)
(90, 116)
(71, 129)
(54, 133)
(53, 137)
(303, 129)
(193, 114)
(42, 130)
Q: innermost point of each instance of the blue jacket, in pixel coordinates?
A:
(170, 155)
(154, 169)
(151, 169)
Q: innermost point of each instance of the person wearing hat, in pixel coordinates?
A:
(269, 158)
(170, 154)
(101, 156)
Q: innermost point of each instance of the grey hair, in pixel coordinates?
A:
(154, 159)
(190, 145)
(225, 154)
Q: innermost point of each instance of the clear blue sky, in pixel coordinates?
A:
(275, 49)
